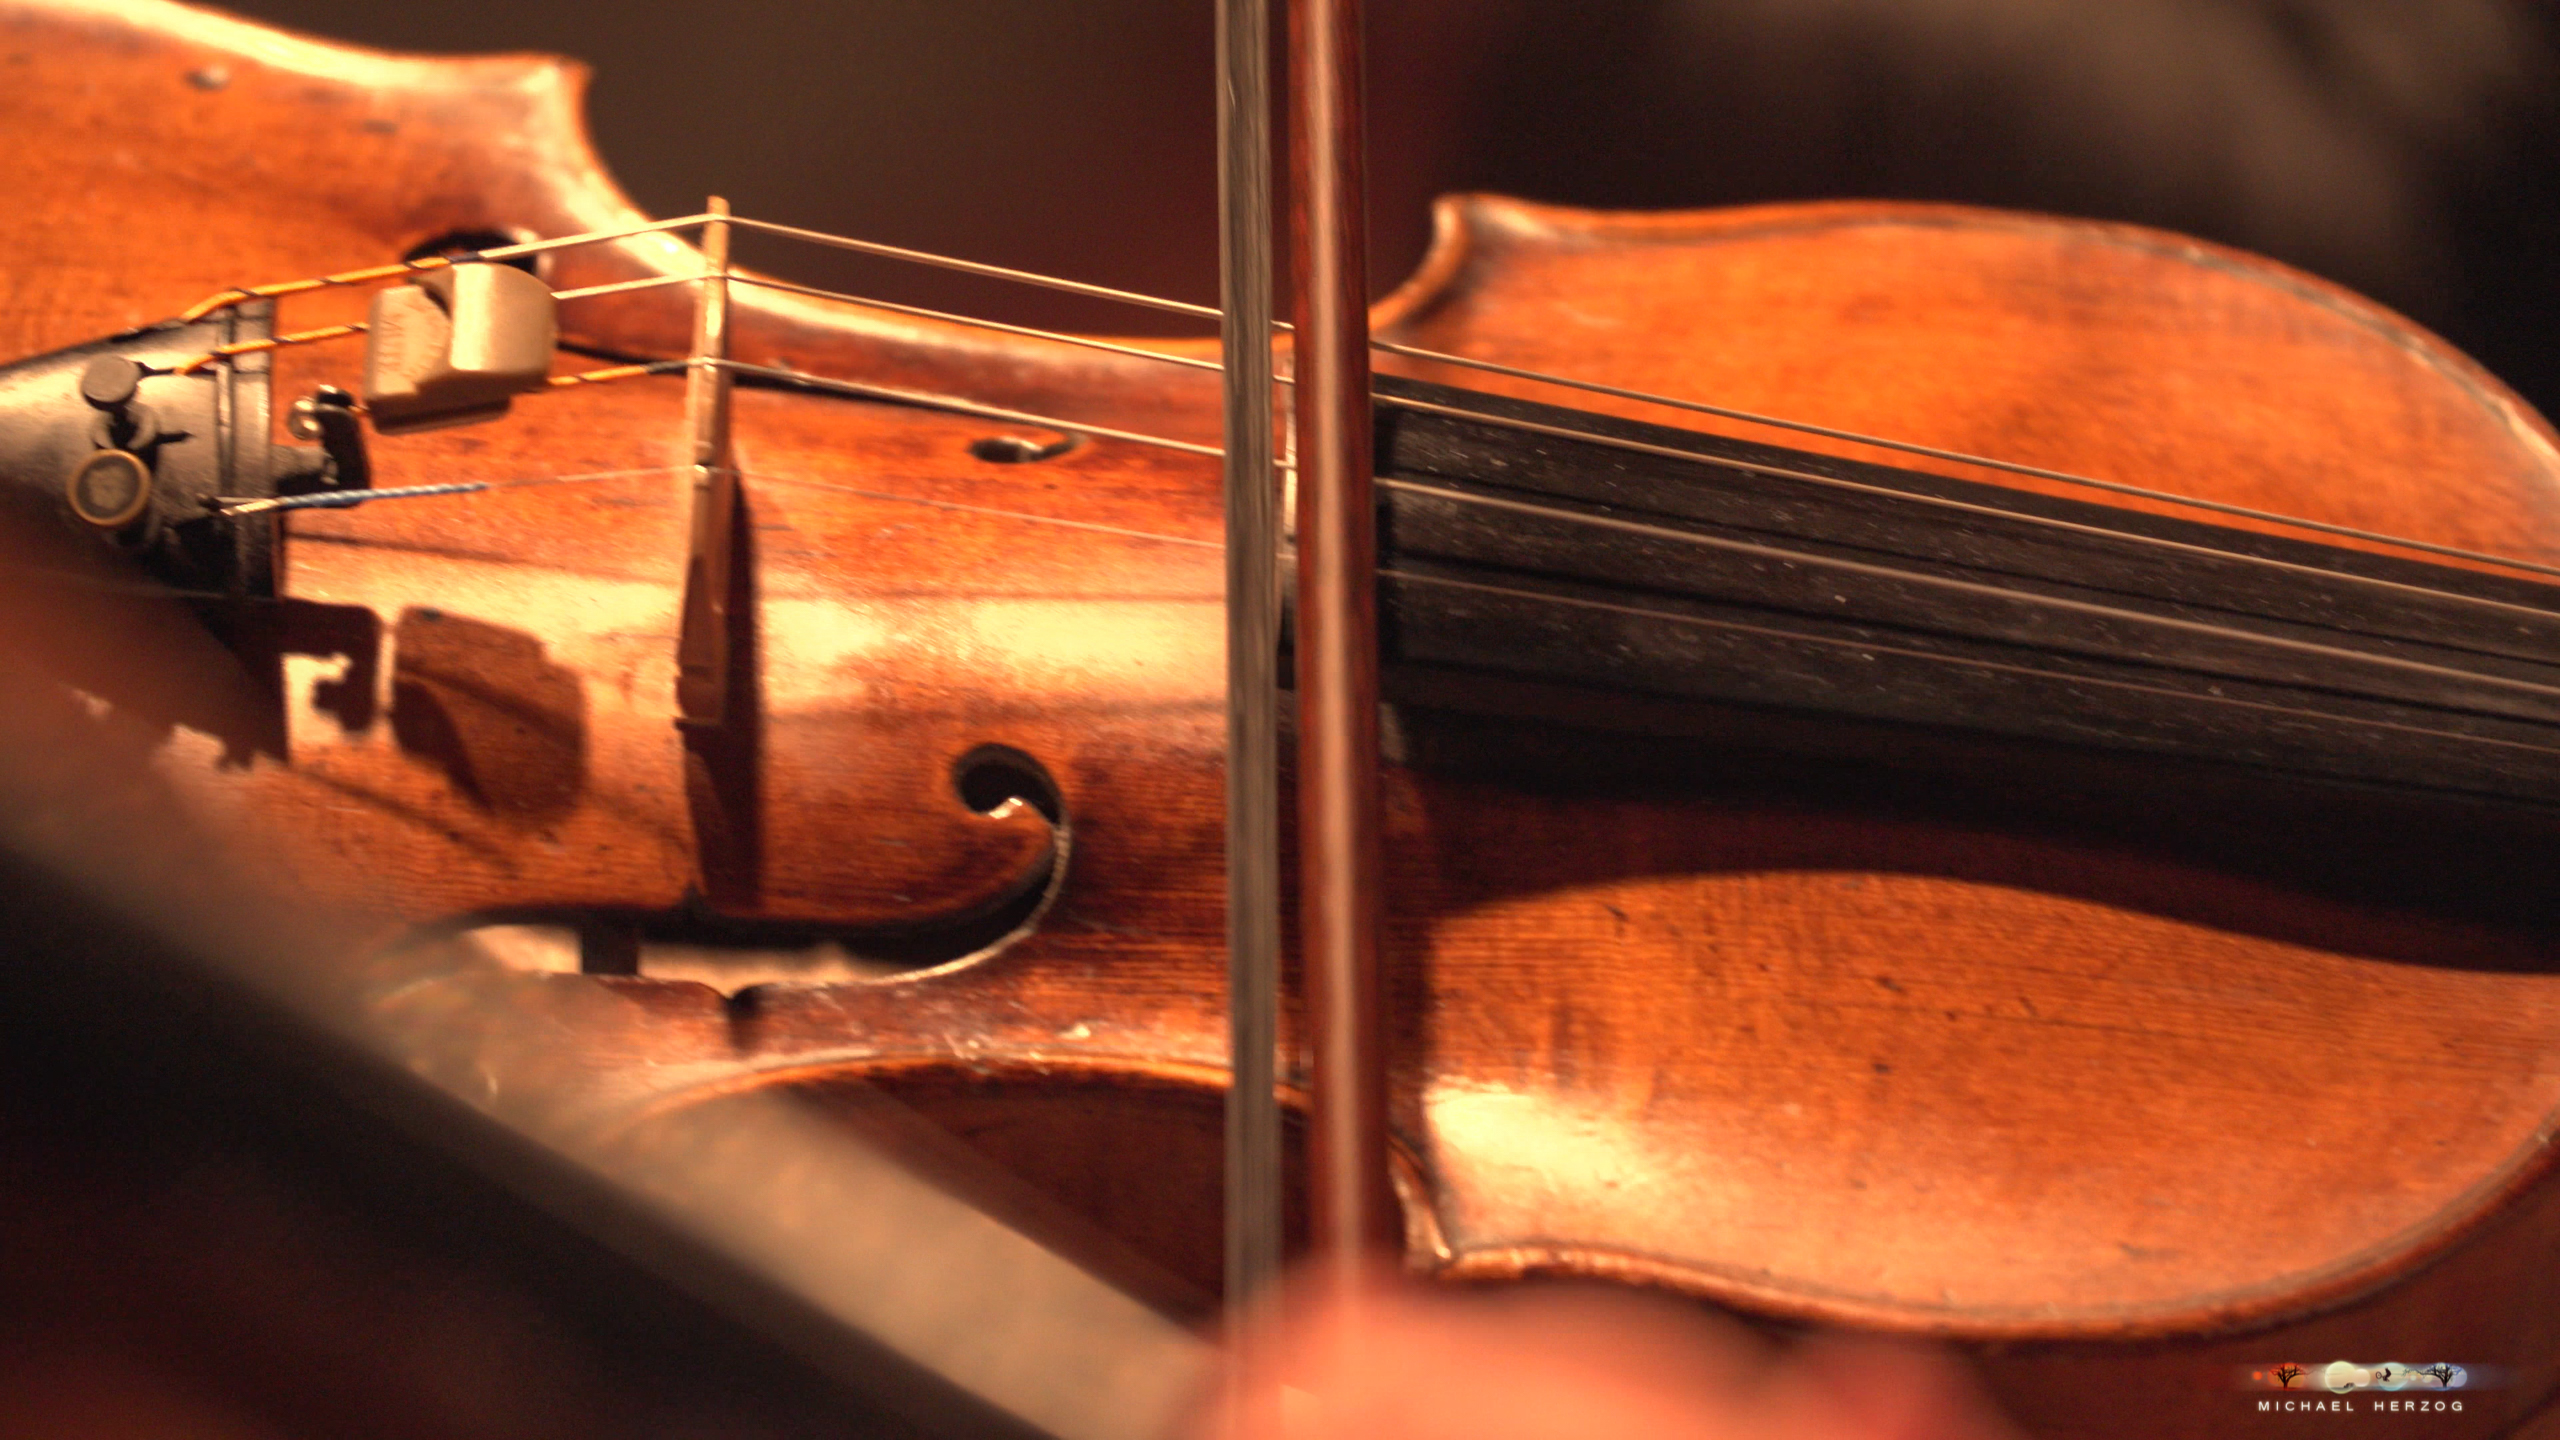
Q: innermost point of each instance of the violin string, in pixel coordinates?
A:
(1136, 352)
(946, 403)
(1413, 352)
(1644, 397)
(802, 482)
(625, 287)
(1696, 540)
(587, 477)
(1562, 432)
(986, 271)
(1960, 457)
(272, 342)
(1205, 312)
(339, 499)
(611, 373)
(370, 273)
(2136, 619)
(359, 327)
(865, 390)
(2529, 688)
(1154, 537)
(1949, 456)
(2041, 522)
(1976, 663)
(1671, 534)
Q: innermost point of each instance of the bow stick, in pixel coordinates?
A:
(1336, 651)
(1352, 1208)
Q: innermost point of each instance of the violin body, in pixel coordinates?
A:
(2126, 1123)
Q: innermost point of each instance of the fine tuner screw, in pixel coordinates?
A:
(109, 383)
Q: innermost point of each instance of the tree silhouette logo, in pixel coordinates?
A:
(2341, 1377)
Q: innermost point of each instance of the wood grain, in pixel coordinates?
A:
(2115, 1119)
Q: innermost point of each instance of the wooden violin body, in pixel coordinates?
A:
(2127, 1124)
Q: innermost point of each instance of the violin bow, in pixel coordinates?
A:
(1352, 1212)
(1253, 1175)
(1351, 1205)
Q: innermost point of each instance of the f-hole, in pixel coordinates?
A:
(736, 955)
(991, 777)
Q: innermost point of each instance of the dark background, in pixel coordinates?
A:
(2405, 148)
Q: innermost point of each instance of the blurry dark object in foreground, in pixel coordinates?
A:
(217, 1224)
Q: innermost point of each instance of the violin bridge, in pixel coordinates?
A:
(702, 649)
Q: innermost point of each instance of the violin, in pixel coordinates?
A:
(1841, 866)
